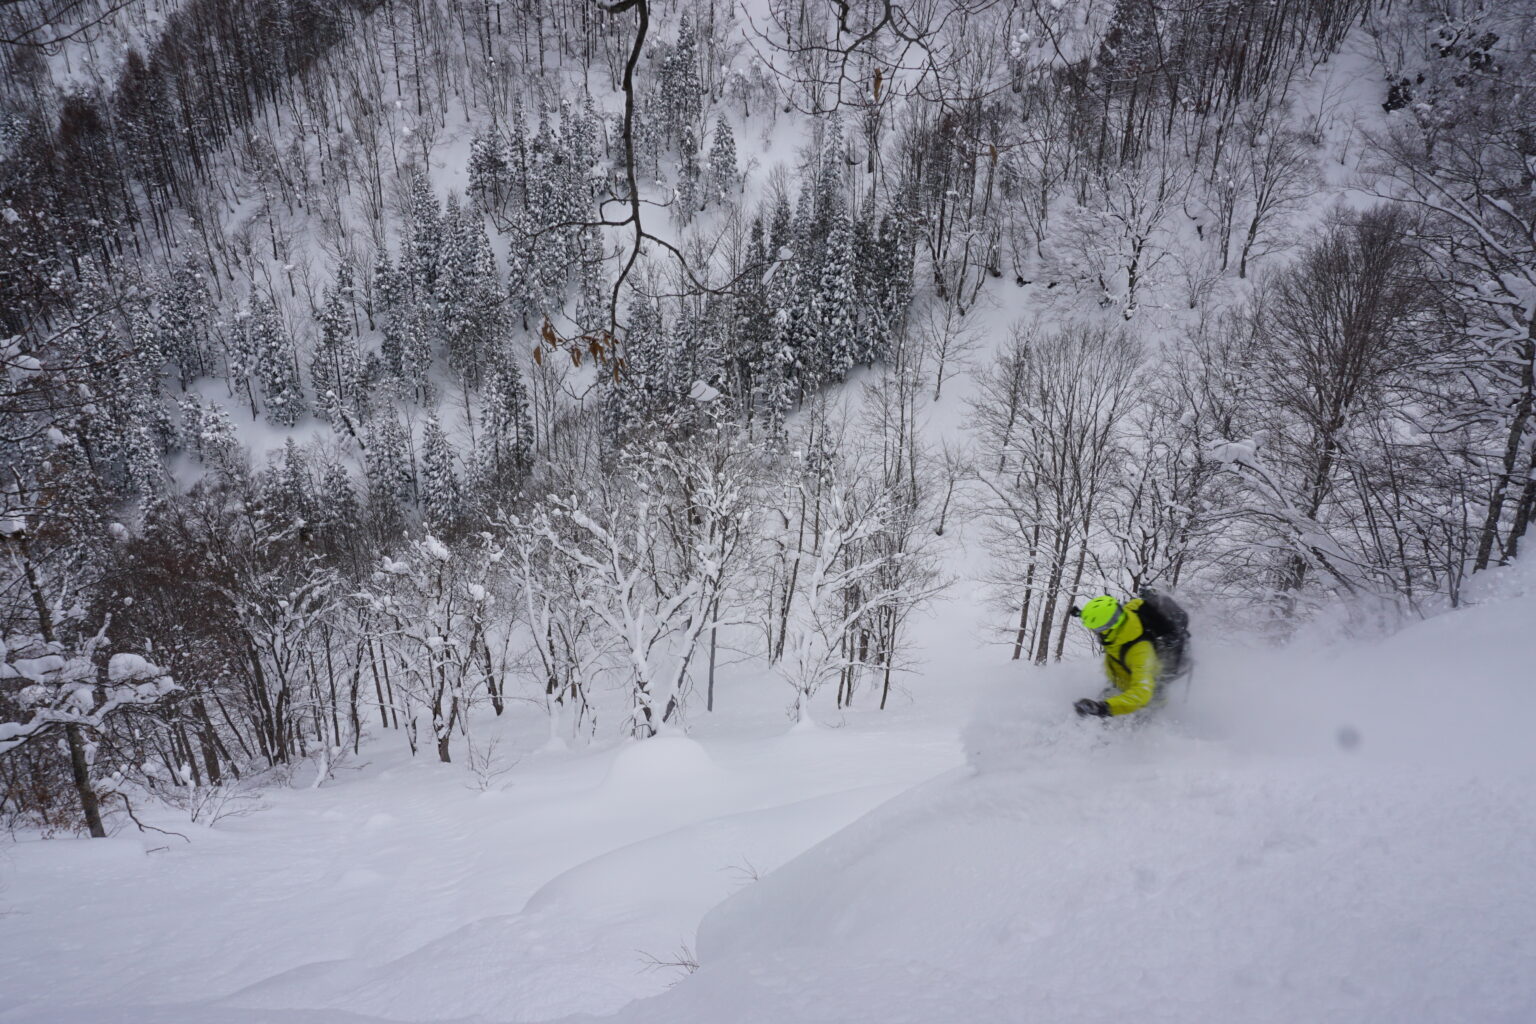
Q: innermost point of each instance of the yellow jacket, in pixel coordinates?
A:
(1131, 663)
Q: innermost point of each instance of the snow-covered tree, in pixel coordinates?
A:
(652, 553)
(723, 176)
(209, 431)
(394, 306)
(490, 173)
(508, 437)
(433, 615)
(185, 316)
(837, 582)
(471, 307)
(562, 628)
(442, 498)
(276, 363)
(1453, 154)
(391, 475)
(57, 688)
(681, 89)
(1049, 421)
(335, 369)
(839, 320)
(525, 304)
(422, 249)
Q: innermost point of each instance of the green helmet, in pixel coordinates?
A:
(1102, 614)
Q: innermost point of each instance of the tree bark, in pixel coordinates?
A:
(1523, 410)
(90, 804)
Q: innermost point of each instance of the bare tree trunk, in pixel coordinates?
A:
(1048, 615)
(1523, 512)
(709, 693)
(1523, 411)
(81, 770)
(1077, 581)
(491, 683)
(1029, 590)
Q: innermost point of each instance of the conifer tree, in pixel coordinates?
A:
(517, 161)
(185, 314)
(455, 281)
(115, 413)
(240, 356)
(336, 516)
(752, 324)
(829, 200)
(592, 306)
(390, 292)
(690, 184)
(869, 269)
(423, 240)
(792, 300)
(336, 367)
(774, 391)
(723, 176)
(210, 433)
(836, 313)
(894, 255)
(586, 139)
(490, 176)
(276, 364)
(651, 136)
(638, 391)
(416, 351)
(290, 494)
(781, 226)
(682, 90)
(524, 305)
(441, 498)
(391, 477)
(547, 178)
(509, 429)
(471, 305)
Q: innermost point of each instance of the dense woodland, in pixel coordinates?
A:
(371, 365)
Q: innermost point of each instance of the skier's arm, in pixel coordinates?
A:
(1141, 660)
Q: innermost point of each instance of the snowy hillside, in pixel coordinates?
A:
(577, 511)
(404, 892)
(1325, 837)
(1336, 834)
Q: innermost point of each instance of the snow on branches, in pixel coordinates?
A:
(55, 685)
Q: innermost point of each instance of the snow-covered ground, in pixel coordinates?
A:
(403, 891)
(1315, 840)
(1319, 833)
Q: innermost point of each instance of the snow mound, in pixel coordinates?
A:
(658, 763)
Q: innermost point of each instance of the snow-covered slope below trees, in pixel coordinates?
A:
(1319, 836)
(1309, 833)
(405, 891)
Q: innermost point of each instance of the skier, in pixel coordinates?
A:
(1145, 643)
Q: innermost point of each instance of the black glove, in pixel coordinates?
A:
(1088, 706)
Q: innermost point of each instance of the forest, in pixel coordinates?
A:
(371, 366)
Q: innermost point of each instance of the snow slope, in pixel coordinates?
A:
(1319, 833)
(1315, 835)
(400, 892)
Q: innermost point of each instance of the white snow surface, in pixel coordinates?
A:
(400, 892)
(1313, 833)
